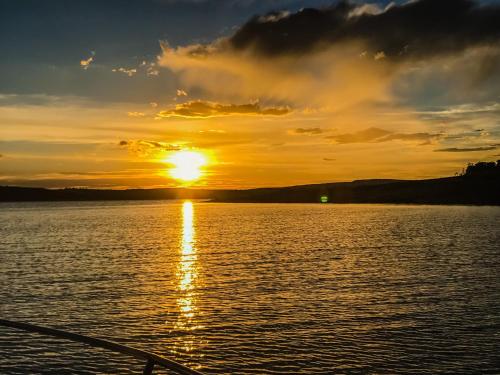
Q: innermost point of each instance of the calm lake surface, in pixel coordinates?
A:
(253, 288)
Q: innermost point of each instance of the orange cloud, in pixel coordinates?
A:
(136, 114)
(85, 64)
(333, 78)
(202, 109)
(145, 148)
(309, 131)
(381, 135)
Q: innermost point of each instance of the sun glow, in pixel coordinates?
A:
(187, 165)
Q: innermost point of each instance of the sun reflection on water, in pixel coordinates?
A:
(187, 275)
(188, 254)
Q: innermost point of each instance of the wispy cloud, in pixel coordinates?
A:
(466, 149)
(152, 71)
(128, 72)
(377, 135)
(85, 64)
(309, 131)
(379, 56)
(462, 110)
(362, 136)
(147, 148)
(136, 114)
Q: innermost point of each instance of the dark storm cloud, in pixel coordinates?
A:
(415, 29)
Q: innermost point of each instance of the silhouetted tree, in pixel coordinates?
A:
(483, 168)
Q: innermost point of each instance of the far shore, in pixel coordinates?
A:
(468, 189)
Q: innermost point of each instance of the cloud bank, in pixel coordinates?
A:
(353, 67)
(347, 55)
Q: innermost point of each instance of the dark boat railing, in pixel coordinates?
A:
(150, 358)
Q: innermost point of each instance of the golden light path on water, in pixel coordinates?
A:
(187, 276)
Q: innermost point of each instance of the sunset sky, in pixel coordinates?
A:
(268, 92)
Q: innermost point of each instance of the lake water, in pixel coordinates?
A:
(253, 288)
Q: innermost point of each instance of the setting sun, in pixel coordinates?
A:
(186, 165)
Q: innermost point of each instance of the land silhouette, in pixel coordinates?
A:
(477, 184)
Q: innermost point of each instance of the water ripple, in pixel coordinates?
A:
(253, 289)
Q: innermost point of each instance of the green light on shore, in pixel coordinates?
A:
(324, 199)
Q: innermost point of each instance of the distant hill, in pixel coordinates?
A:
(19, 194)
(479, 184)
(450, 190)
